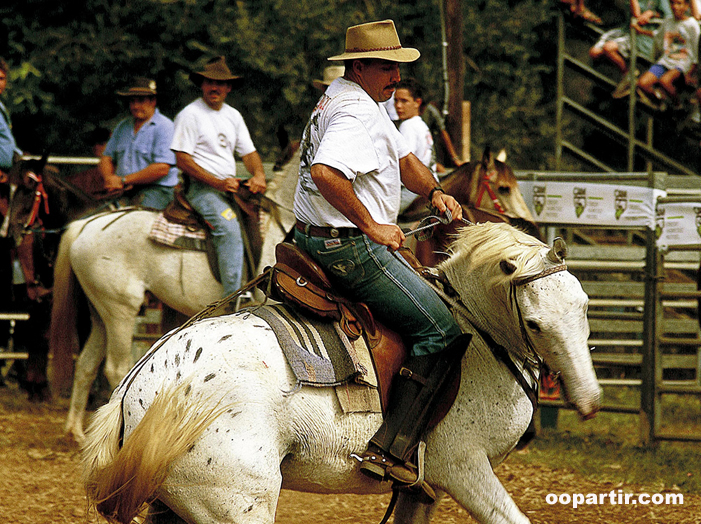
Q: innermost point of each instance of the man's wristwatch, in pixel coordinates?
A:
(430, 193)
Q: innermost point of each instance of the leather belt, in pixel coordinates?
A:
(328, 232)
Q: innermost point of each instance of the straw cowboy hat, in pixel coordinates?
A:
(331, 73)
(140, 87)
(376, 40)
(215, 69)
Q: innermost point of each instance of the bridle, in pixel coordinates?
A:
(532, 364)
(485, 187)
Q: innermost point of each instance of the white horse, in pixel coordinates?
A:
(209, 426)
(115, 263)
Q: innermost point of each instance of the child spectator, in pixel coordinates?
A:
(645, 18)
(679, 36)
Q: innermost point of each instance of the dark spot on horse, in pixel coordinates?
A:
(209, 461)
(188, 389)
(178, 375)
(187, 346)
(190, 448)
(197, 355)
(225, 337)
(141, 402)
(177, 360)
(165, 363)
(249, 508)
(152, 368)
(210, 377)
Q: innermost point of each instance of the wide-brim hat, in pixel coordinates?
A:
(331, 73)
(140, 87)
(214, 69)
(376, 40)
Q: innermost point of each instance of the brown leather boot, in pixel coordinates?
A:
(415, 391)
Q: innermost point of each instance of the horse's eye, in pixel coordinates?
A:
(533, 326)
(504, 190)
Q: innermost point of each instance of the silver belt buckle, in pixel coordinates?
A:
(334, 232)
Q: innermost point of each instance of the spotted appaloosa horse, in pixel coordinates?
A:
(211, 423)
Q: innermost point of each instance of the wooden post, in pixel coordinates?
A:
(454, 123)
(466, 120)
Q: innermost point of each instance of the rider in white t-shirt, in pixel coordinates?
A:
(207, 134)
(408, 98)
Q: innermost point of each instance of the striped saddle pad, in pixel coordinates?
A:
(177, 235)
(318, 352)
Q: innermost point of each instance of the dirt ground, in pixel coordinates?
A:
(40, 484)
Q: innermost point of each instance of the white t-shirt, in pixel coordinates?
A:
(350, 132)
(680, 39)
(212, 137)
(420, 141)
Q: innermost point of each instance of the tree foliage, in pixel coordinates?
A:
(69, 58)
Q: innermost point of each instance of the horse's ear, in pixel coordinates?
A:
(558, 252)
(501, 157)
(507, 267)
(487, 157)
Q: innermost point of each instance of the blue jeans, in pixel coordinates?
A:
(368, 272)
(153, 196)
(216, 209)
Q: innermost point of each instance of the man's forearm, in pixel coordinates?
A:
(149, 174)
(415, 176)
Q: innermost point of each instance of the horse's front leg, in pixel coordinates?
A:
(476, 488)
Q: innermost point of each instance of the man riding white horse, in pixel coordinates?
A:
(353, 161)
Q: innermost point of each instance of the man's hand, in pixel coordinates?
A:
(256, 183)
(389, 235)
(441, 201)
(113, 184)
(228, 185)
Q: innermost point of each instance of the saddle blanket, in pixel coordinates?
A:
(177, 235)
(320, 354)
(315, 350)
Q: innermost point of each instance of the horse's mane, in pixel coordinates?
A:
(484, 246)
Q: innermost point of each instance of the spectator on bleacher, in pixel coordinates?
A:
(678, 38)
(645, 18)
(579, 11)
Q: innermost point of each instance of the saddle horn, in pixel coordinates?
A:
(558, 252)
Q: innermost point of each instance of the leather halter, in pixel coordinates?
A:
(40, 196)
(484, 186)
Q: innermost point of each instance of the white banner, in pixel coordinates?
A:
(678, 224)
(590, 203)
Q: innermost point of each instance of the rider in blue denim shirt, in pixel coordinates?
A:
(138, 159)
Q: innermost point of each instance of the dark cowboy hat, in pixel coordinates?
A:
(376, 40)
(140, 87)
(214, 69)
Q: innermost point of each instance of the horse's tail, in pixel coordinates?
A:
(63, 340)
(119, 482)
